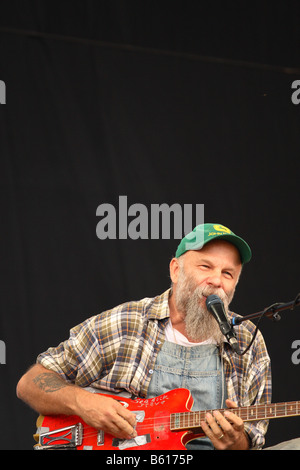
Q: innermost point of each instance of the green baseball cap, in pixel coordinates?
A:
(205, 233)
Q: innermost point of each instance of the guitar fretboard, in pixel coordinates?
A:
(192, 419)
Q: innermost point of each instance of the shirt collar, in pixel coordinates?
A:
(159, 308)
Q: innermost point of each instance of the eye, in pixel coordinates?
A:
(228, 274)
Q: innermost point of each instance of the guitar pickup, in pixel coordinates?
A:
(100, 438)
(69, 437)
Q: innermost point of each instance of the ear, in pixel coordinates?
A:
(174, 270)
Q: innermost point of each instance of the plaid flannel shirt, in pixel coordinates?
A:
(117, 349)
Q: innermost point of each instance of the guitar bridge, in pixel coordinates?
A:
(69, 437)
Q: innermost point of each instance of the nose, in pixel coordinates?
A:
(215, 280)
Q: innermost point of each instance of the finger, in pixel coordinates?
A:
(126, 423)
(216, 436)
(119, 427)
(207, 430)
(231, 416)
(230, 427)
(222, 422)
(214, 426)
(234, 420)
(231, 403)
(118, 431)
(127, 415)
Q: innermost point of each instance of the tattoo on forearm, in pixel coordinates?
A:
(49, 382)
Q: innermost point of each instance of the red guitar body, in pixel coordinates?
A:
(153, 427)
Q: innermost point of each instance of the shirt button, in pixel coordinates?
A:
(151, 371)
(158, 342)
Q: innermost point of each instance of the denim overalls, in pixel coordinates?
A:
(197, 368)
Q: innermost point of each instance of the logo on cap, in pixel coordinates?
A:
(221, 228)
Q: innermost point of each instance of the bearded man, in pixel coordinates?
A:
(154, 345)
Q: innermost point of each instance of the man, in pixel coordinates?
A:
(153, 345)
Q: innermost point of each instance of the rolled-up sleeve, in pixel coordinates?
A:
(78, 359)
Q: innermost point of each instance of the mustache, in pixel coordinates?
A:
(208, 290)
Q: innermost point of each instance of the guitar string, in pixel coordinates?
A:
(259, 411)
(158, 421)
(89, 431)
(145, 424)
(165, 420)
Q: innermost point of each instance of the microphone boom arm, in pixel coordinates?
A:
(269, 312)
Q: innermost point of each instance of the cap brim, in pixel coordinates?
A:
(242, 247)
(240, 244)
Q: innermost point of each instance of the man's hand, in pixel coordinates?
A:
(226, 432)
(105, 413)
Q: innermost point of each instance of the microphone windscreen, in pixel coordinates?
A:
(213, 299)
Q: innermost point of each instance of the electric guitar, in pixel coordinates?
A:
(164, 422)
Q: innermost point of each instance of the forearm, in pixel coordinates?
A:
(46, 392)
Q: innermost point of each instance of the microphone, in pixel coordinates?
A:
(216, 307)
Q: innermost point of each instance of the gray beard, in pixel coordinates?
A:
(199, 322)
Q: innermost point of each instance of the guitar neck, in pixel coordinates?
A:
(192, 419)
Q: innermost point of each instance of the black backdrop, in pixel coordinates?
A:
(171, 103)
